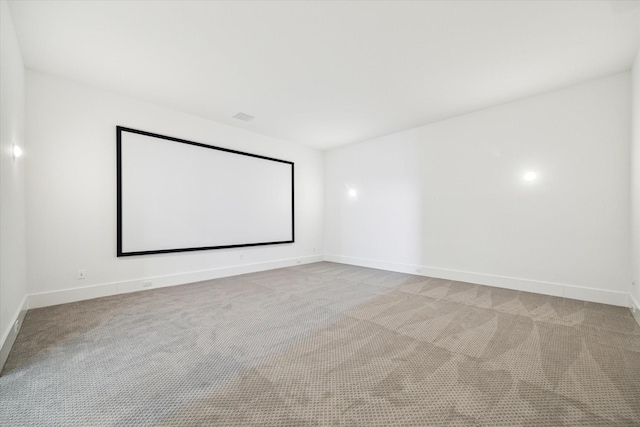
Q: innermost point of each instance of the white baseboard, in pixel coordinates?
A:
(546, 288)
(634, 306)
(9, 336)
(64, 296)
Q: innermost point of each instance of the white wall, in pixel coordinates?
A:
(71, 194)
(13, 285)
(449, 198)
(635, 185)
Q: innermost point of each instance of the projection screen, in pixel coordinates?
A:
(175, 195)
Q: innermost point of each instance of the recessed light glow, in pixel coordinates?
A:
(353, 192)
(530, 176)
(17, 151)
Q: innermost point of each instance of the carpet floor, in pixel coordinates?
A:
(324, 345)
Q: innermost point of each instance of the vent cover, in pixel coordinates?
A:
(244, 117)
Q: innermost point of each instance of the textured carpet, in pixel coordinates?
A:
(325, 345)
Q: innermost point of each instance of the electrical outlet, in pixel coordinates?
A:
(147, 284)
(16, 326)
(314, 249)
(81, 274)
(241, 256)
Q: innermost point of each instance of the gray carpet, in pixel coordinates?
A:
(325, 345)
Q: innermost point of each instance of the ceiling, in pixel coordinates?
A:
(325, 74)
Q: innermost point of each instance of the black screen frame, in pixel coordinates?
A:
(120, 253)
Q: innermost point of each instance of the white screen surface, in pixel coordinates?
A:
(176, 195)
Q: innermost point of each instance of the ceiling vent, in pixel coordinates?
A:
(244, 117)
